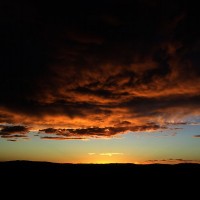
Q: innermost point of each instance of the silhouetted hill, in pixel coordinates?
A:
(30, 169)
(98, 180)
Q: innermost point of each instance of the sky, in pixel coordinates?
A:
(100, 81)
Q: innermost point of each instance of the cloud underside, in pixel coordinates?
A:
(99, 73)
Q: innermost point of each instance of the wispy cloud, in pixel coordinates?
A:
(91, 154)
(196, 136)
(62, 138)
(195, 123)
(171, 161)
(110, 154)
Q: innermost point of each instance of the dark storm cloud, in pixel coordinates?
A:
(104, 64)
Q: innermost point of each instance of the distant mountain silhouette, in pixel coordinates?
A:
(34, 169)
(98, 180)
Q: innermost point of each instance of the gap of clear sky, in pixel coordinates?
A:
(100, 82)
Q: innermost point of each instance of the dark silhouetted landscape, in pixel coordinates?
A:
(115, 81)
(29, 170)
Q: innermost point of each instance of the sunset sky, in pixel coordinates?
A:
(100, 81)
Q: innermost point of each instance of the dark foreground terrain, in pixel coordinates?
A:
(29, 169)
(126, 179)
(96, 181)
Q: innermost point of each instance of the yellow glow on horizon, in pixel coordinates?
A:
(104, 158)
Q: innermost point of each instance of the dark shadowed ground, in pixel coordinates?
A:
(98, 180)
(29, 169)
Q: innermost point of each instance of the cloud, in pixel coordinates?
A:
(162, 134)
(196, 136)
(12, 136)
(195, 123)
(106, 154)
(98, 132)
(12, 140)
(123, 123)
(62, 138)
(177, 123)
(110, 154)
(106, 67)
(91, 154)
(171, 161)
(12, 133)
(13, 129)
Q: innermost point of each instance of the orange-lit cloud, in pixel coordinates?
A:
(100, 74)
